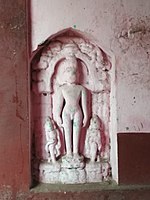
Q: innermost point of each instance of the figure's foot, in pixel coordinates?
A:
(76, 155)
(56, 164)
(69, 155)
(54, 161)
(92, 163)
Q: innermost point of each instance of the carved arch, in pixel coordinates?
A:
(53, 50)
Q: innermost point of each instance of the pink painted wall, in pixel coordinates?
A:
(122, 29)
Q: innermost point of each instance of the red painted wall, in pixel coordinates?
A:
(133, 156)
(14, 103)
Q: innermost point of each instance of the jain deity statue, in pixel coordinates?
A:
(70, 106)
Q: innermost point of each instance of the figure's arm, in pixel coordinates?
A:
(47, 136)
(84, 106)
(58, 106)
(58, 140)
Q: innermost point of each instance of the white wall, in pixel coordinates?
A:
(122, 29)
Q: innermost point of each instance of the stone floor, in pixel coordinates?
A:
(77, 192)
(89, 192)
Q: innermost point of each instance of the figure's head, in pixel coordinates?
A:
(95, 122)
(70, 70)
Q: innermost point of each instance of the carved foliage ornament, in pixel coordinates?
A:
(91, 57)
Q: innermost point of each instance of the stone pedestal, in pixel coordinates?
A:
(71, 176)
(93, 172)
(49, 173)
(71, 170)
(68, 170)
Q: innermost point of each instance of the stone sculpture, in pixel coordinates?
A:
(71, 84)
(52, 146)
(71, 94)
(93, 139)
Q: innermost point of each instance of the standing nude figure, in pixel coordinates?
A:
(70, 106)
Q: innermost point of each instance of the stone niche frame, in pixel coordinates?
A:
(94, 65)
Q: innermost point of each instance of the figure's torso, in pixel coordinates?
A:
(72, 94)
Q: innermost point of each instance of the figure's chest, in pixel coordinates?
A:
(73, 92)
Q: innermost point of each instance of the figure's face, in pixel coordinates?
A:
(70, 75)
(95, 124)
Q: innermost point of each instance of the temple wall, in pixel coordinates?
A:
(14, 100)
(121, 28)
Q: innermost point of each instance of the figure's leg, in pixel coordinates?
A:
(53, 157)
(77, 123)
(48, 152)
(67, 131)
(93, 153)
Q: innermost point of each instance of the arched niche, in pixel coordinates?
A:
(48, 77)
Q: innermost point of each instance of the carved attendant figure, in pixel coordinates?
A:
(67, 107)
(53, 141)
(93, 139)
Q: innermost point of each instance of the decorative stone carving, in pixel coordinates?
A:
(52, 146)
(93, 140)
(71, 87)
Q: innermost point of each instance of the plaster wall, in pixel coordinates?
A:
(122, 29)
(14, 106)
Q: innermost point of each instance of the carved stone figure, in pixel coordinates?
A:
(70, 94)
(71, 83)
(93, 139)
(52, 146)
